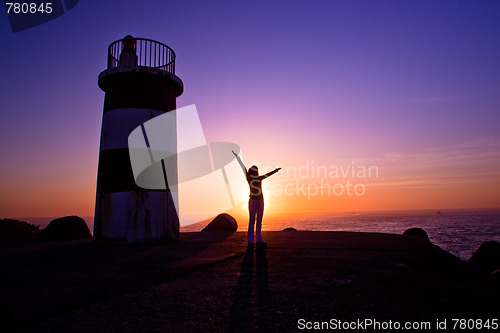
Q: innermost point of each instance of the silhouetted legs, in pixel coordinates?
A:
(255, 209)
(258, 227)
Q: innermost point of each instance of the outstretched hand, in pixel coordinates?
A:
(278, 169)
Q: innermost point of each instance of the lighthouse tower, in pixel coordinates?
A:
(139, 84)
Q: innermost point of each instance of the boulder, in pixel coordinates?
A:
(289, 229)
(487, 257)
(223, 222)
(417, 232)
(17, 232)
(64, 228)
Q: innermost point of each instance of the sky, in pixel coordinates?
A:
(406, 89)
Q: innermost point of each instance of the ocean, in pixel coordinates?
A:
(459, 232)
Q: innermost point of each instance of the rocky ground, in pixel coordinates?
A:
(207, 282)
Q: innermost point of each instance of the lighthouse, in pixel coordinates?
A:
(139, 84)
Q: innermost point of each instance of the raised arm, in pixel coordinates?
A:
(241, 163)
(270, 173)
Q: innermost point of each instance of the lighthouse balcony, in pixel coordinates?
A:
(140, 60)
(141, 52)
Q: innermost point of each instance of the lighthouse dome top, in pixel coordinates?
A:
(141, 52)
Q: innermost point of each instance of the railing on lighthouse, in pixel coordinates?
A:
(148, 53)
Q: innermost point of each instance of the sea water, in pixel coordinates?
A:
(459, 232)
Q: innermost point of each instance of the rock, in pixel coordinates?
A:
(289, 229)
(487, 257)
(17, 232)
(417, 232)
(64, 228)
(223, 222)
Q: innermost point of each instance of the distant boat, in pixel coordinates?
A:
(438, 212)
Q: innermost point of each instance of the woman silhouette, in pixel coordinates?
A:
(256, 201)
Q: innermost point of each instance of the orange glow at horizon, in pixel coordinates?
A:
(53, 198)
(430, 180)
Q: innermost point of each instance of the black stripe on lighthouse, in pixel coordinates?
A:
(115, 172)
(139, 90)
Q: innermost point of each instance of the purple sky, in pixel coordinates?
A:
(412, 86)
